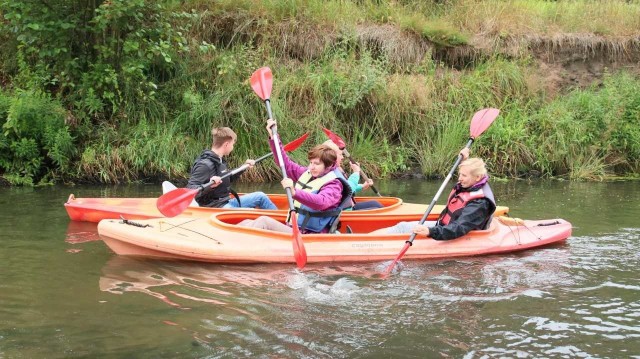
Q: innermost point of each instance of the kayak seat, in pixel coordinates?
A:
(510, 221)
(337, 226)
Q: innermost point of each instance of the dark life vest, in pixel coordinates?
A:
(459, 198)
(213, 197)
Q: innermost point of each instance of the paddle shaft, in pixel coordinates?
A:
(442, 187)
(276, 141)
(364, 176)
(233, 172)
(261, 83)
(241, 168)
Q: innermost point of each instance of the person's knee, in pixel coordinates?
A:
(264, 201)
(261, 222)
(401, 227)
(233, 203)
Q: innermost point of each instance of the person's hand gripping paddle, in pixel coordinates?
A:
(261, 82)
(479, 123)
(343, 147)
(176, 201)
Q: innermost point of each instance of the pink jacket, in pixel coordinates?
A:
(329, 195)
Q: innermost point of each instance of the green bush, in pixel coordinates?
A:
(35, 139)
(127, 90)
(97, 55)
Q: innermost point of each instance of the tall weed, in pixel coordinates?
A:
(36, 141)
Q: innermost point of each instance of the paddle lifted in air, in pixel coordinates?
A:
(261, 83)
(343, 147)
(479, 123)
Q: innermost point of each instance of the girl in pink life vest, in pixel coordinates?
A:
(470, 206)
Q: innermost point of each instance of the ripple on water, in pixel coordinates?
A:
(557, 301)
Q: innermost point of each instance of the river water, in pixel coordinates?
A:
(64, 294)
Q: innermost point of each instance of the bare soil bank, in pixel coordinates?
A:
(562, 61)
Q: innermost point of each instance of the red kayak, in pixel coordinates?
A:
(97, 209)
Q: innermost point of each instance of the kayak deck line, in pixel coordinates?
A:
(97, 209)
(175, 238)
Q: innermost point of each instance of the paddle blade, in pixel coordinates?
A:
(175, 202)
(293, 145)
(261, 82)
(393, 264)
(482, 120)
(335, 138)
(299, 252)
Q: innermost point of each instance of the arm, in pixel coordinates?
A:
(200, 175)
(471, 218)
(353, 182)
(329, 196)
(249, 162)
(293, 169)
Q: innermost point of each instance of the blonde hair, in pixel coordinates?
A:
(331, 145)
(221, 135)
(476, 166)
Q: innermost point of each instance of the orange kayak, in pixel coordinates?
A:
(97, 209)
(219, 239)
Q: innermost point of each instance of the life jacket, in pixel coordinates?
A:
(219, 196)
(350, 205)
(459, 198)
(316, 221)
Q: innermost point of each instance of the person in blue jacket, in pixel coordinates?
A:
(354, 180)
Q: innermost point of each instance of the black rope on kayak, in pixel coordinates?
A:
(132, 223)
(548, 224)
(188, 229)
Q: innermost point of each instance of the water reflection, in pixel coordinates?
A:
(81, 232)
(580, 299)
(195, 282)
(340, 309)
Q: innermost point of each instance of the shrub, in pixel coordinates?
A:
(35, 139)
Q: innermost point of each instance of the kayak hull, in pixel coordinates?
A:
(219, 240)
(97, 209)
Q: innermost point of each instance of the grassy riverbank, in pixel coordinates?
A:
(398, 81)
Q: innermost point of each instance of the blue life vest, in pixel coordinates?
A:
(311, 220)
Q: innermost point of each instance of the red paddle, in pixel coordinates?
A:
(261, 82)
(175, 202)
(479, 123)
(341, 145)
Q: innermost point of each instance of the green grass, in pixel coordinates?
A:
(394, 122)
(337, 64)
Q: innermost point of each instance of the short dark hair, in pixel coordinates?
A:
(324, 153)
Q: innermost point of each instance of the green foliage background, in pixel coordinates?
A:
(127, 90)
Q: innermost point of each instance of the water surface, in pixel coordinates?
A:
(63, 293)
